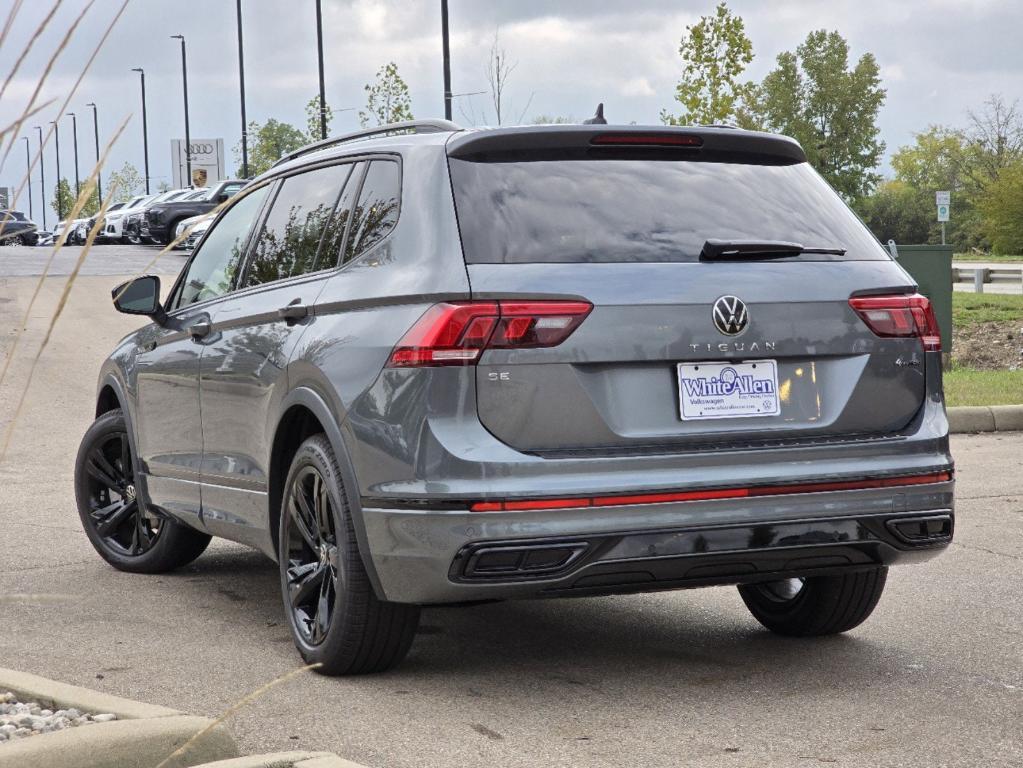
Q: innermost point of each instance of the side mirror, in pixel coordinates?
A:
(140, 296)
(222, 198)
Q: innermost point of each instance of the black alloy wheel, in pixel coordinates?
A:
(123, 529)
(336, 619)
(114, 508)
(312, 567)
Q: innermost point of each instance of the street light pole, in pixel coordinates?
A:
(145, 130)
(184, 84)
(319, 50)
(28, 174)
(447, 58)
(74, 127)
(56, 136)
(95, 130)
(241, 80)
(42, 173)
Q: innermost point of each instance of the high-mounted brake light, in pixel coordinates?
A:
(709, 494)
(900, 316)
(457, 334)
(647, 140)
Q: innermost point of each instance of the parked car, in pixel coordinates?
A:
(131, 225)
(196, 227)
(162, 218)
(113, 223)
(17, 229)
(77, 229)
(451, 366)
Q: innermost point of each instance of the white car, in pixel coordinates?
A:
(113, 222)
(78, 230)
(201, 223)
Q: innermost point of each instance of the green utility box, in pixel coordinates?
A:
(931, 267)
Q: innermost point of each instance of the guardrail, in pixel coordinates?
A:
(982, 275)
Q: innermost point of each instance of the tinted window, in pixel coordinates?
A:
(644, 210)
(298, 218)
(377, 210)
(212, 270)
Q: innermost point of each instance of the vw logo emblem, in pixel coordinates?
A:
(730, 315)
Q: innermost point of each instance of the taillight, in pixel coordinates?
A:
(900, 316)
(457, 334)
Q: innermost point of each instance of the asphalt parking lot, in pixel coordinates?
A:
(934, 678)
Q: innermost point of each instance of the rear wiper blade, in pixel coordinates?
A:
(724, 250)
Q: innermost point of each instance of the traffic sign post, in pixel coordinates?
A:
(943, 200)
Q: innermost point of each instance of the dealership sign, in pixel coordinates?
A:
(207, 162)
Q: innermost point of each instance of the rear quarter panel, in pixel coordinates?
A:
(366, 307)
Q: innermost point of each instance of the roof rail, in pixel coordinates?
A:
(411, 126)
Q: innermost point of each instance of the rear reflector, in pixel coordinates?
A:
(900, 316)
(457, 334)
(708, 495)
(647, 140)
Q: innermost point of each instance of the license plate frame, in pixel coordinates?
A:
(728, 389)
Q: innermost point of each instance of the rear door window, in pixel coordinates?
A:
(302, 212)
(645, 210)
(377, 210)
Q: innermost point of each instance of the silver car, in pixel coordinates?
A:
(421, 364)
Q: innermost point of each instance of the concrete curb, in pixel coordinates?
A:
(143, 734)
(143, 742)
(985, 418)
(57, 695)
(285, 760)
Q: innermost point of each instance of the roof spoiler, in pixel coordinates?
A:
(699, 142)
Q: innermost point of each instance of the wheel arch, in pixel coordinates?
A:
(111, 396)
(305, 413)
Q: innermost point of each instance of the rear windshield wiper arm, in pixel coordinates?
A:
(725, 250)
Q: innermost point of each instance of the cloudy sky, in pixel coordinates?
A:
(938, 59)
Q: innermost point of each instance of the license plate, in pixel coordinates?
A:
(728, 390)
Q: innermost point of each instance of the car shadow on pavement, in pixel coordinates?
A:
(694, 637)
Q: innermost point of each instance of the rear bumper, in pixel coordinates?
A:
(455, 556)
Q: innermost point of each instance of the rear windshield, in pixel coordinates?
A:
(557, 211)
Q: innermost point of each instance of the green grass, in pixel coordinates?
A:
(970, 256)
(973, 308)
(965, 386)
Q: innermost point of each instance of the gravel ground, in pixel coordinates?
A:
(19, 720)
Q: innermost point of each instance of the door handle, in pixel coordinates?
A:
(200, 329)
(295, 310)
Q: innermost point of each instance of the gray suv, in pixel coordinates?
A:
(425, 365)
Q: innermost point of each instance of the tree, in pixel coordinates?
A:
(830, 109)
(126, 183)
(312, 112)
(898, 211)
(497, 72)
(387, 100)
(942, 158)
(552, 120)
(1002, 208)
(63, 200)
(715, 52)
(996, 135)
(268, 143)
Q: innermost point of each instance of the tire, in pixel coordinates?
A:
(336, 619)
(824, 605)
(123, 532)
(14, 240)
